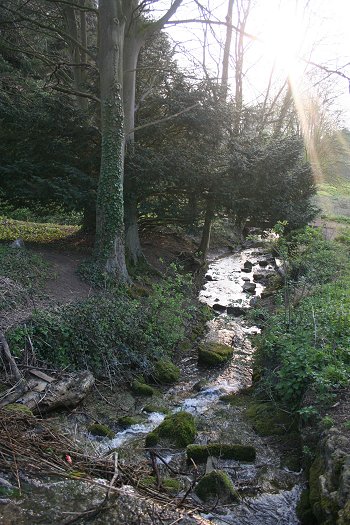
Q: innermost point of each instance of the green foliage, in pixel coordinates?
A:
(200, 453)
(216, 484)
(309, 348)
(178, 428)
(111, 334)
(55, 214)
(327, 422)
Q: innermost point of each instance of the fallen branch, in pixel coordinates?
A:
(9, 357)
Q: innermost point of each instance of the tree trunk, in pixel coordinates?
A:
(133, 44)
(227, 49)
(110, 243)
(132, 239)
(209, 216)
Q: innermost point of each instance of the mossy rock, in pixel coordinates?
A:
(142, 389)
(269, 420)
(166, 372)
(96, 429)
(151, 439)
(129, 421)
(149, 409)
(234, 399)
(304, 511)
(324, 508)
(214, 354)
(18, 409)
(179, 428)
(216, 484)
(200, 453)
(170, 485)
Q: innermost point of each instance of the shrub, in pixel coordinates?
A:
(112, 334)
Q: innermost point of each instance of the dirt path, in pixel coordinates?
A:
(66, 286)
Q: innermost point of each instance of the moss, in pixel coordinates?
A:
(323, 507)
(235, 399)
(304, 511)
(148, 482)
(166, 372)
(200, 453)
(19, 409)
(128, 421)
(178, 428)
(151, 439)
(137, 290)
(214, 354)
(269, 420)
(9, 492)
(96, 429)
(155, 408)
(170, 485)
(216, 484)
(141, 389)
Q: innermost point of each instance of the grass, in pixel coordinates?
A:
(334, 190)
(341, 219)
(34, 232)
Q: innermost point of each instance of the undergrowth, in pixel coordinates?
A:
(305, 346)
(22, 273)
(112, 334)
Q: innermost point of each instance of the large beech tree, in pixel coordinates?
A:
(122, 33)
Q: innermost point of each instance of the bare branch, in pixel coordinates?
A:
(170, 117)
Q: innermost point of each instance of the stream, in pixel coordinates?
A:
(269, 491)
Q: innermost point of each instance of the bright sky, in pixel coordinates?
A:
(316, 30)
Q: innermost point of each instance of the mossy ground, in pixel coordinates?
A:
(216, 484)
(179, 428)
(214, 354)
(200, 453)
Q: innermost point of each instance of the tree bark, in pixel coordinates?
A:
(209, 216)
(110, 242)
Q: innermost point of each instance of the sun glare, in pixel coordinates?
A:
(282, 38)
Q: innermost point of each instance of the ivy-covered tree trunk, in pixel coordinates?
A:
(110, 243)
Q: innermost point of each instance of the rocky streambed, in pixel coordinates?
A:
(267, 484)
